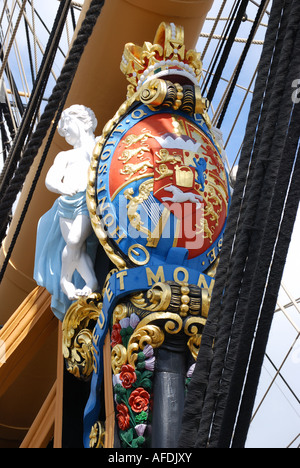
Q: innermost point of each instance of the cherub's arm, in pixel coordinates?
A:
(55, 176)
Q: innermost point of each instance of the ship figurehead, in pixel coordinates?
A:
(158, 197)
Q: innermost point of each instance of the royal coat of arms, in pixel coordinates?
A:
(163, 185)
(159, 179)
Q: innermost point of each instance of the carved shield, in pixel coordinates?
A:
(162, 185)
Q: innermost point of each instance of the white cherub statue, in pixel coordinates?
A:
(66, 246)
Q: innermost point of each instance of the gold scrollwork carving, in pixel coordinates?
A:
(173, 306)
(194, 325)
(118, 358)
(194, 345)
(138, 300)
(97, 435)
(206, 299)
(149, 333)
(182, 298)
(143, 335)
(77, 335)
(120, 312)
(167, 306)
(160, 297)
(172, 322)
(160, 93)
(154, 94)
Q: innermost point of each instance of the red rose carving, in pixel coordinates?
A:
(139, 400)
(127, 375)
(123, 417)
(115, 335)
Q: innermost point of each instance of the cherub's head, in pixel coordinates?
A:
(75, 121)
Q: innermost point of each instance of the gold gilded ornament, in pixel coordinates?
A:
(144, 335)
(118, 358)
(141, 64)
(97, 435)
(194, 345)
(160, 297)
(120, 312)
(77, 335)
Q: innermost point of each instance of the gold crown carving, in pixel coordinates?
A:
(167, 56)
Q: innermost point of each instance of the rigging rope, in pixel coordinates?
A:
(13, 85)
(12, 37)
(235, 22)
(29, 49)
(213, 30)
(217, 52)
(28, 121)
(262, 275)
(52, 110)
(44, 25)
(260, 12)
(221, 395)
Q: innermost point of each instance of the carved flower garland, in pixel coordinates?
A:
(132, 387)
(133, 378)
